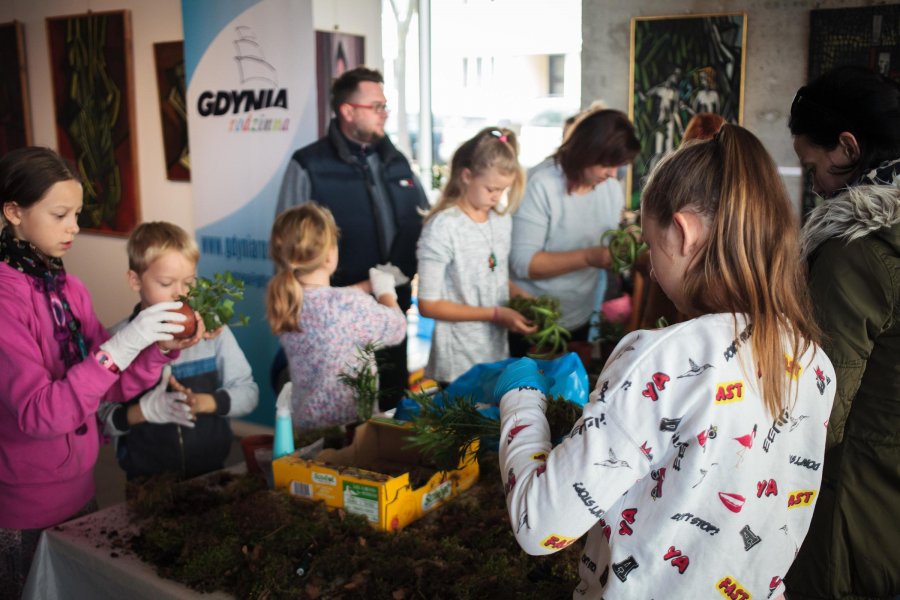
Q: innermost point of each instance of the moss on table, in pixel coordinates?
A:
(230, 533)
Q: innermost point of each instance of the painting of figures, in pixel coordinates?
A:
(680, 66)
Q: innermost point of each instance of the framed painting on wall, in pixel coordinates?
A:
(681, 65)
(170, 84)
(93, 97)
(335, 53)
(866, 36)
(15, 112)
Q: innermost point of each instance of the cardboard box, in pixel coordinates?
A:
(371, 477)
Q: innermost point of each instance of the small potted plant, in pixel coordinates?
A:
(214, 300)
(550, 340)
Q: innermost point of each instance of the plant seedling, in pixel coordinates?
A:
(624, 245)
(363, 380)
(214, 299)
(550, 338)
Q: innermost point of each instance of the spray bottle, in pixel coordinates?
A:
(284, 427)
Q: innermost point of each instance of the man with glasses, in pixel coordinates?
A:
(373, 193)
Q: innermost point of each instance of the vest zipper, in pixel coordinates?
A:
(181, 447)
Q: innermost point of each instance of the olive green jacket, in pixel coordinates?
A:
(852, 549)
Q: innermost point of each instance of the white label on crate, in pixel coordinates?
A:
(324, 478)
(361, 500)
(298, 488)
(437, 495)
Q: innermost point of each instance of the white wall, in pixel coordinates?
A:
(777, 56)
(100, 260)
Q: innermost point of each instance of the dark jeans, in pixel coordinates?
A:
(519, 346)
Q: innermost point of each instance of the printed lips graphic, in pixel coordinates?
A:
(733, 502)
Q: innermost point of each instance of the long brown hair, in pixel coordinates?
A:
(491, 148)
(302, 237)
(749, 263)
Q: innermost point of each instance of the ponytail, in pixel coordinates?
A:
(749, 263)
(284, 300)
(301, 239)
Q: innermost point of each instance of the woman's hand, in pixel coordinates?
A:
(514, 321)
(598, 257)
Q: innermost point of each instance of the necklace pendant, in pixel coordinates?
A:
(492, 262)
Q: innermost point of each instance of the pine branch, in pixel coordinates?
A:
(362, 379)
(445, 433)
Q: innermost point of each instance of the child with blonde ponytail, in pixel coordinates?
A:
(321, 327)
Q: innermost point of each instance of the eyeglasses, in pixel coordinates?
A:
(377, 107)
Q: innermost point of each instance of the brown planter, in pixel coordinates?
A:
(249, 445)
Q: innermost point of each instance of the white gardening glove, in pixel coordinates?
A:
(149, 326)
(160, 406)
(399, 277)
(382, 283)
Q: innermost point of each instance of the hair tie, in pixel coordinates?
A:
(499, 135)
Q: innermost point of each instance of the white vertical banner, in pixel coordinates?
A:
(250, 75)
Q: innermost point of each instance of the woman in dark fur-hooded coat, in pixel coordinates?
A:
(846, 128)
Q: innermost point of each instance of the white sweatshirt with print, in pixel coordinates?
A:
(684, 483)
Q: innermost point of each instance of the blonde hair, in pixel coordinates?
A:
(491, 148)
(749, 263)
(301, 240)
(150, 240)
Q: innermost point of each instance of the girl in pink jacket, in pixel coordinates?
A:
(57, 362)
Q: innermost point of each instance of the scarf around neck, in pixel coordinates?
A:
(49, 278)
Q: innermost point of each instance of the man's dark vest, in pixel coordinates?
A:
(344, 184)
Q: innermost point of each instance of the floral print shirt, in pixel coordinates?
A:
(334, 323)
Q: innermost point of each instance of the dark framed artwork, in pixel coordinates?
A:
(335, 53)
(170, 84)
(91, 67)
(866, 37)
(681, 65)
(15, 109)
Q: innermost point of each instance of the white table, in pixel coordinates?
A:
(85, 558)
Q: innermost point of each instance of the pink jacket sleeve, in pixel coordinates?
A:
(47, 399)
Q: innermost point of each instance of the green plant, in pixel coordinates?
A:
(551, 337)
(362, 379)
(624, 245)
(444, 432)
(214, 299)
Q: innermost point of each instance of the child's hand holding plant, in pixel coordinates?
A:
(513, 320)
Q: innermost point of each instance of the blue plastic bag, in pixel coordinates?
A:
(569, 381)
